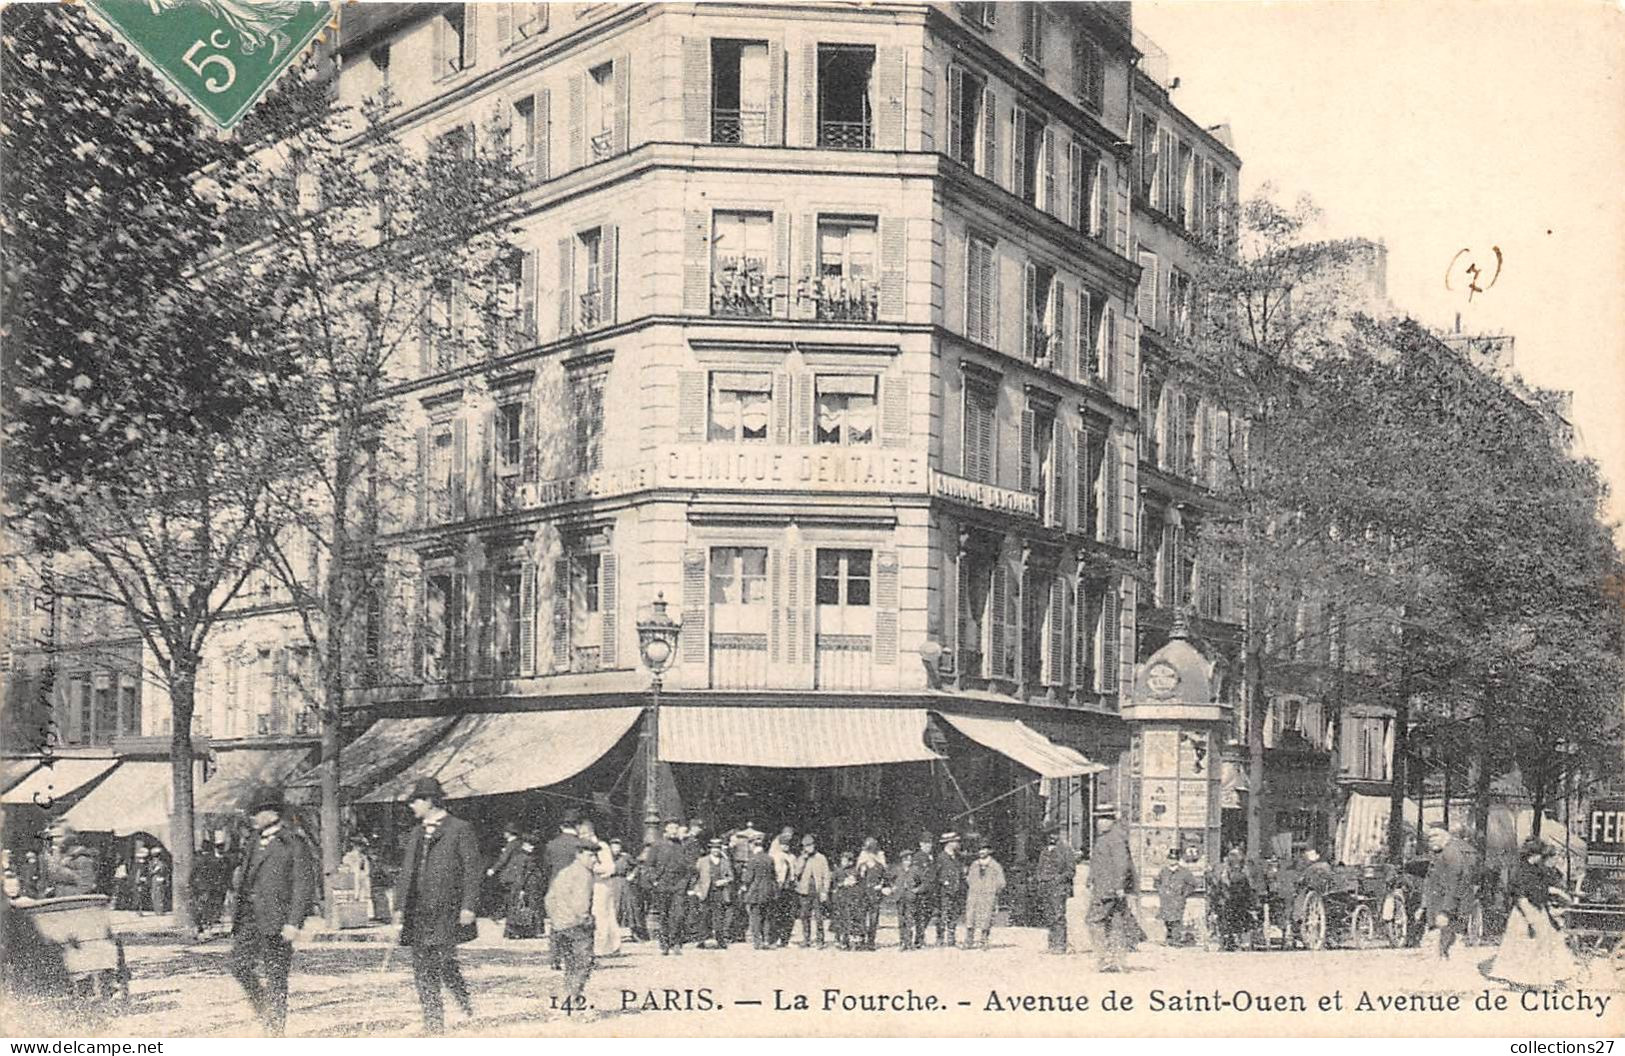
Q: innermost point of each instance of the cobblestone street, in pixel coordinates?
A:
(365, 989)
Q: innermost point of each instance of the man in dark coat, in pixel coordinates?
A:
(439, 892)
(713, 892)
(1447, 893)
(1111, 885)
(925, 899)
(1175, 884)
(670, 865)
(694, 846)
(1056, 864)
(274, 890)
(560, 852)
(950, 888)
(759, 886)
(496, 893)
(911, 883)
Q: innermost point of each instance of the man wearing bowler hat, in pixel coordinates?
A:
(438, 891)
(274, 889)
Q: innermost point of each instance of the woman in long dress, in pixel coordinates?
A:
(1533, 953)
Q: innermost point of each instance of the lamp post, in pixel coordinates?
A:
(657, 644)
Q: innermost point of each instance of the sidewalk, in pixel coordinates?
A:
(147, 927)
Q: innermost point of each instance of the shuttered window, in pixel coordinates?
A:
(1088, 71)
(740, 406)
(846, 409)
(966, 114)
(1146, 296)
(587, 421)
(981, 292)
(979, 454)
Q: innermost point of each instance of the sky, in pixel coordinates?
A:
(1438, 127)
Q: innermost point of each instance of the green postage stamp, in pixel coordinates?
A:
(220, 54)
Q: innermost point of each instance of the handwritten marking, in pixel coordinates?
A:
(1472, 271)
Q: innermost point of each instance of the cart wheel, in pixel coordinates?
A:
(1475, 926)
(1362, 927)
(1399, 925)
(1314, 922)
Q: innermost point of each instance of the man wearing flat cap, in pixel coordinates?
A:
(438, 891)
(274, 890)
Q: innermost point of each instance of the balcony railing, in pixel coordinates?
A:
(742, 293)
(739, 661)
(739, 126)
(1043, 344)
(844, 662)
(841, 299)
(592, 310)
(603, 144)
(584, 657)
(846, 135)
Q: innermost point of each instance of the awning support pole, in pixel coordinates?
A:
(995, 799)
(959, 791)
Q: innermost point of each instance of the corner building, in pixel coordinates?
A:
(826, 334)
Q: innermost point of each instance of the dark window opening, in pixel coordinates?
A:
(739, 91)
(846, 96)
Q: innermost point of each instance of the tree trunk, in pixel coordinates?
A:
(1541, 780)
(336, 605)
(1400, 766)
(182, 823)
(1481, 793)
(1255, 749)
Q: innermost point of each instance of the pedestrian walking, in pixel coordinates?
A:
(1447, 892)
(785, 902)
(713, 892)
(158, 881)
(139, 881)
(1533, 954)
(1056, 864)
(640, 891)
(274, 891)
(949, 872)
(1233, 887)
(670, 865)
(874, 884)
(812, 890)
(911, 883)
(984, 881)
(621, 894)
(925, 899)
(1111, 884)
(1174, 885)
(694, 844)
(522, 888)
(495, 893)
(759, 885)
(439, 891)
(569, 908)
(845, 901)
(606, 930)
(560, 852)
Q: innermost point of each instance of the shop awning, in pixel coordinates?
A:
(381, 749)
(238, 771)
(1363, 835)
(137, 797)
(792, 737)
(57, 781)
(487, 755)
(14, 770)
(1016, 740)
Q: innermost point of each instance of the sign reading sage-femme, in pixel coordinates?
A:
(220, 54)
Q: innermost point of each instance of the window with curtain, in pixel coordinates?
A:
(846, 409)
(741, 406)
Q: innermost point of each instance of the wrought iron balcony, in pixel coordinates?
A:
(742, 293)
(1043, 344)
(846, 135)
(592, 310)
(603, 144)
(738, 126)
(840, 299)
(584, 658)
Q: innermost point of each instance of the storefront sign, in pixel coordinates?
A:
(983, 496)
(827, 468)
(619, 481)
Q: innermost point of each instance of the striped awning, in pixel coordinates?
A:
(792, 737)
(239, 770)
(1016, 740)
(380, 750)
(490, 754)
(56, 781)
(137, 797)
(14, 770)
(1363, 835)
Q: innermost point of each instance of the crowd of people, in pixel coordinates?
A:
(66, 864)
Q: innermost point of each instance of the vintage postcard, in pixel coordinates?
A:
(1109, 524)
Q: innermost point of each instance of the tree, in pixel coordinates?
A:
(133, 376)
(379, 256)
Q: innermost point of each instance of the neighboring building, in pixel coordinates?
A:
(826, 335)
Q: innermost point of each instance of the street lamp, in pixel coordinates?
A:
(657, 644)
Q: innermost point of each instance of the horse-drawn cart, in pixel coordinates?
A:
(67, 943)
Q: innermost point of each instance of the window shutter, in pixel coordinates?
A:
(1110, 639)
(697, 89)
(1111, 470)
(806, 398)
(809, 95)
(988, 448)
(484, 623)
(1016, 630)
(542, 148)
(1029, 320)
(998, 592)
(1088, 355)
(781, 270)
(696, 261)
(1111, 365)
(577, 119)
(484, 464)
(1065, 478)
(457, 610)
(459, 469)
(1076, 176)
(609, 594)
(527, 619)
(567, 283)
(1100, 209)
(694, 642)
(1018, 152)
(471, 35)
(890, 77)
(956, 106)
(809, 614)
(623, 103)
(974, 282)
(1082, 640)
(504, 25)
(1145, 302)
(1049, 172)
(1061, 345)
(561, 615)
(1028, 427)
(792, 608)
(775, 598)
(423, 477)
(806, 269)
(894, 411)
(1056, 645)
(948, 602)
(990, 296)
(1083, 481)
(782, 398)
(608, 270)
(691, 406)
(893, 267)
(279, 692)
(886, 608)
(775, 93)
(442, 47)
(990, 134)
